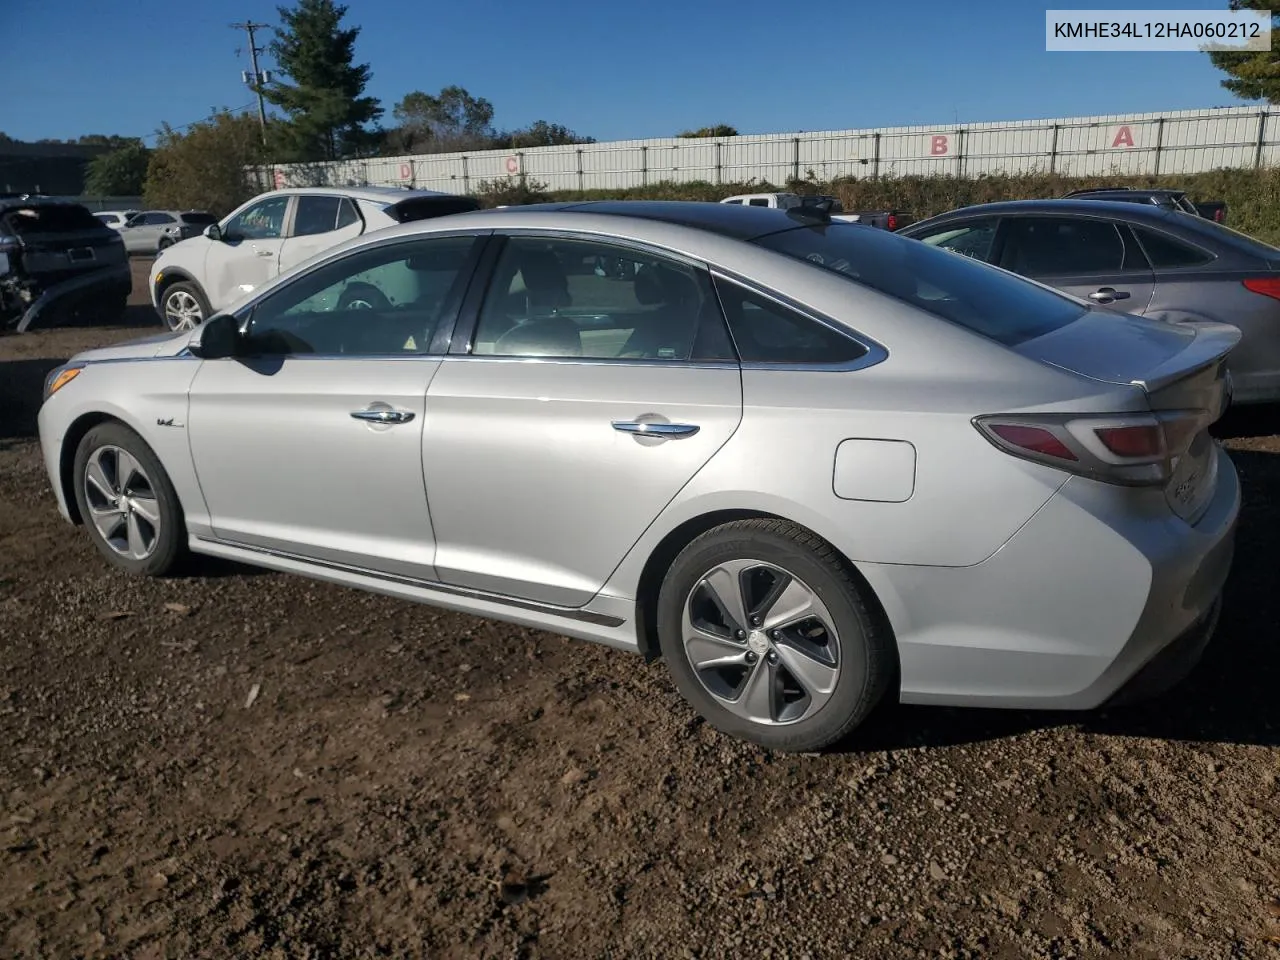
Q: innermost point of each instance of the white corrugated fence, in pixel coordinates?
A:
(1187, 141)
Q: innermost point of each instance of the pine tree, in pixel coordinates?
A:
(324, 102)
(1254, 75)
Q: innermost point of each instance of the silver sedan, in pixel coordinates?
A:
(812, 465)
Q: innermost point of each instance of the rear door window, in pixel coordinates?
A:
(1068, 246)
(315, 215)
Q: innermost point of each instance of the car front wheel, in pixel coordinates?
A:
(770, 638)
(183, 307)
(127, 502)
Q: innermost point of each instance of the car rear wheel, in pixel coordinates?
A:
(770, 638)
(164, 242)
(127, 502)
(183, 306)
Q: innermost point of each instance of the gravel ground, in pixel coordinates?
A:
(246, 764)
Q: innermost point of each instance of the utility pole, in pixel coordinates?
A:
(258, 77)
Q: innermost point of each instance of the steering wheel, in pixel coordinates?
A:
(363, 296)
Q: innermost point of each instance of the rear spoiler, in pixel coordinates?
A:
(426, 208)
(1213, 341)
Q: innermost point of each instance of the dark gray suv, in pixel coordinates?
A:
(1139, 259)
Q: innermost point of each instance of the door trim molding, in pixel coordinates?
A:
(569, 613)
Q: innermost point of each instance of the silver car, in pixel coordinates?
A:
(810, 464)
(154, 230)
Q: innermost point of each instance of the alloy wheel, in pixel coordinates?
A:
(761, 642)
(182, 311)
(122, 502)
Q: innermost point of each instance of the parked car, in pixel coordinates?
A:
(884, 219)
(808, 463)
(53, 252)
(1139, 259)
(273, 232)
(1215, 210)
(115, 219)
(154, 230)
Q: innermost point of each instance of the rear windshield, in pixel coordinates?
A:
(956, 288)
(52, 218)
(199, 219)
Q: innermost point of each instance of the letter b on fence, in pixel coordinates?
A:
(938, 144)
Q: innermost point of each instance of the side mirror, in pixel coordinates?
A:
(217, 338)
(213, 232)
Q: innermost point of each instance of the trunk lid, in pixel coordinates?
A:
(1182, 370)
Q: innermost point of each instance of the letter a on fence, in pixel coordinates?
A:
(1124, 138)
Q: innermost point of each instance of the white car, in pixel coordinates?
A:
(193, 280)
(115, 219)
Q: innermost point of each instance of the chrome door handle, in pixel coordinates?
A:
(265, 253)
(667, 431)
(383, 416)
(1107, 294)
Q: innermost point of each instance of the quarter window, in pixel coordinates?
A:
(578, 298)
(973, 238)
(387, 300)
(262, 221)
(1164, 251)
(765, 331)
(1043, 246)
(347, 214)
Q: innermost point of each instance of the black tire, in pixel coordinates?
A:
(168, 545)
(174, 291)
(865, 656)
(363, 296)
(164, 243)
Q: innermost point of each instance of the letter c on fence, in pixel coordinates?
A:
(279, 178)
(938, 145)
(513, 165)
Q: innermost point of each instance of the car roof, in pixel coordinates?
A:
(376, 194)
(1117, 208)
(725, 219)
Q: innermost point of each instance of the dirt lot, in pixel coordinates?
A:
(414, 783)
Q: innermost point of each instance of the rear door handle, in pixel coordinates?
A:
(383, 415)
(667, 431)
(1108, 294)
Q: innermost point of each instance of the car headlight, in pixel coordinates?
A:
(59, 377)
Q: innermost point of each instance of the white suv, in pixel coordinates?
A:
(274, 231)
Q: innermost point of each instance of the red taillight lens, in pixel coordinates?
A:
(1033, 439)
(892, 221)
(1136, 441)
(1267, 286)
(1219, 216)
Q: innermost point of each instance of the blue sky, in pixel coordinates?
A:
(612, 70)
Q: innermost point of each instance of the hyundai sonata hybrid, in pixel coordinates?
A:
(809, 464)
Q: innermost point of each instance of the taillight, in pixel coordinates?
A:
(1131, 449)
(892, 221)
(1267, 286)
(1219, 216)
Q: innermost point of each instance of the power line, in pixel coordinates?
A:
(259, 78)
(184, 126)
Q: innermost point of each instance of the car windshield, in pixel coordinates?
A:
(956, 288)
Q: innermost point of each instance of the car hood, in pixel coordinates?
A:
(161, 345)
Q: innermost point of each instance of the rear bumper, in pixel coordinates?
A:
(1171, 665)
(1092, 590)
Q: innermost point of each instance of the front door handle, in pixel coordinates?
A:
(265, 253)
(666, 431)
(1108, 294)
(383, 415)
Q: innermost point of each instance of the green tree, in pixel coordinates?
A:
(1254, 75)
(719, 130)
(326, 109)
(204, 167)
(120, 173)
(442, 123)
(543, 134)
